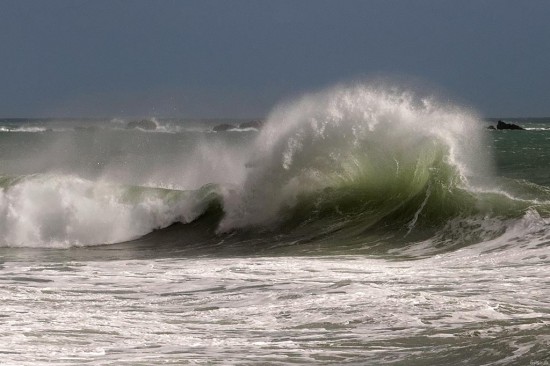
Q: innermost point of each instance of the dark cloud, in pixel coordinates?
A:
(239, 58)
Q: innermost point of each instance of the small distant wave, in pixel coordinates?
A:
(537, 128)
(249, 129)
(153, 125)
(30, 129)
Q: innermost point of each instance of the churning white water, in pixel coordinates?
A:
(462, 307)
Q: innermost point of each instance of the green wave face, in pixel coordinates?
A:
(386, 146)
(355, 163)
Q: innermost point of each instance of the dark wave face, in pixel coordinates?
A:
(358, 169)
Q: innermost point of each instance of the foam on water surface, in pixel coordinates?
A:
(278, 310)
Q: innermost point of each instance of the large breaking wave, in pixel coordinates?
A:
(387, 145)
(343, 165)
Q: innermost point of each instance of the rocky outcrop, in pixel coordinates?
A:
(144, 124)
(501, 125)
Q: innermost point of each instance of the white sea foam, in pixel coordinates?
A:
(62, 211)
(478, 309)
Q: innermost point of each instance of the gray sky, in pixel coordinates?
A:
(239, 58)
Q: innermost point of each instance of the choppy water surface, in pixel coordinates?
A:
(359, 225)
(465, 307)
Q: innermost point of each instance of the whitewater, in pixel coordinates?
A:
(361, 224)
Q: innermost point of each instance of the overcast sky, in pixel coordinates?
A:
(239, 58)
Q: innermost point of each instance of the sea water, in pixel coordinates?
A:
(358, 225)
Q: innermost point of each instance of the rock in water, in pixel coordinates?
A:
(223, 127)
(508, 126)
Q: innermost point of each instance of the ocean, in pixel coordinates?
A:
(358, 225)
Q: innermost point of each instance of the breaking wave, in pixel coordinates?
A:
(347, 165)
(63, 211)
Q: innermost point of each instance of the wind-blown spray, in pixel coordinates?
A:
(386, 143)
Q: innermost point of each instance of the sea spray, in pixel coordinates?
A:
(63, 211)
(385, 142)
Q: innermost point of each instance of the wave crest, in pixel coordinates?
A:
(387, 145)
(63, 211)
